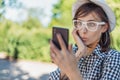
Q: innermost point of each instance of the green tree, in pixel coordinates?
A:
(31, 22)
(62, 15)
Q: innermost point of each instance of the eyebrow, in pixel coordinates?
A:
(91, 20)
(87, 20)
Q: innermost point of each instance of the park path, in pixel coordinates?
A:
(25, 70)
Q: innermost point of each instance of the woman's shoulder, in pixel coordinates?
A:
(113, 56)
(113, 52)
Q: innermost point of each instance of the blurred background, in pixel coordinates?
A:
(26, 28)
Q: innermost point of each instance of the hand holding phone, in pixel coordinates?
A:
(64, 33)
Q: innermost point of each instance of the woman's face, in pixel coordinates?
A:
(88, 37)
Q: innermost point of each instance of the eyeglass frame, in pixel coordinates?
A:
(86, 26)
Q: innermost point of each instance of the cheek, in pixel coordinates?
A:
(93, 37)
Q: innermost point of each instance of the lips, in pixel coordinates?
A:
(84, 39)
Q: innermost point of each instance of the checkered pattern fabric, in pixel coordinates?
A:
(98, 66)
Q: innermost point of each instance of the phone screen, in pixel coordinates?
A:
(64, 33)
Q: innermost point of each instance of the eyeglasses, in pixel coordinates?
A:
(90, 25)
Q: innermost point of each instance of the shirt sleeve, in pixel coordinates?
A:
(55, 75)
(111, 67)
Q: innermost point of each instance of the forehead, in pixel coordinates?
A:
(90, 16)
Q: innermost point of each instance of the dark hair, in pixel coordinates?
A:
(86, 9)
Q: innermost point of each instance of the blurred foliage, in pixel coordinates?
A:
(30, 42)
(30, 39)
(62, 14)
(115, 5)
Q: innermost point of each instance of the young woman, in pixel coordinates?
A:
(92, 58)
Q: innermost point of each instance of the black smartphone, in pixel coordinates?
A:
(64, 33)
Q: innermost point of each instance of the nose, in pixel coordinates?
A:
(84, 29)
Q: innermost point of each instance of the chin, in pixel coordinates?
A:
(87, 44)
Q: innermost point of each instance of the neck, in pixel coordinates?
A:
(91, 47)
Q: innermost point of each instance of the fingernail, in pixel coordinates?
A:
(58, 34)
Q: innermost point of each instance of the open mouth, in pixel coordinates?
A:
(84, 39)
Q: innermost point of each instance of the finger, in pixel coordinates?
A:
(55, 50)
(75, 35)
(77, 39)
(61, 42)
(52, 55)
(52, 47)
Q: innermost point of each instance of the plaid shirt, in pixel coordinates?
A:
(98, 66)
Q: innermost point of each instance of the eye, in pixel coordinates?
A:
(80, 23)
(75, 23)
(91, 24)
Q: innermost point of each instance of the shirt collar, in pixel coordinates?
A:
(97, 51)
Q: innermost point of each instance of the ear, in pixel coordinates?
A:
(104, 28)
